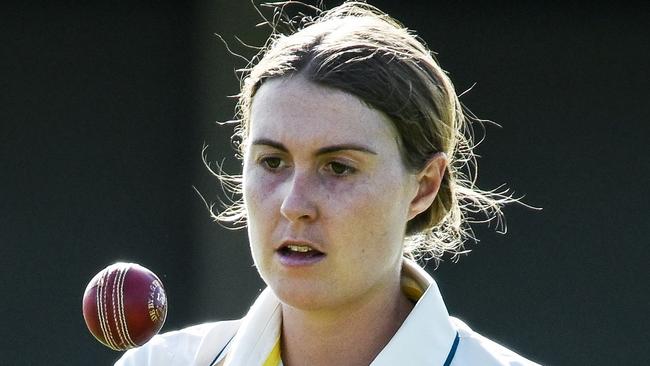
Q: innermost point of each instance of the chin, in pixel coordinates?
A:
(303, 296)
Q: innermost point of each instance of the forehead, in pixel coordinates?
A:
(299, 111)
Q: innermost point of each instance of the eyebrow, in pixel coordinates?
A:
(322, 151)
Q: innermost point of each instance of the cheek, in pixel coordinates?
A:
(256, 195)
(257, 190)
(374, 212)
(383, 196)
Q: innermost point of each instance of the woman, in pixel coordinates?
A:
(353, 145)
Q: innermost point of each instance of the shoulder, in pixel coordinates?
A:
(475, 349)
(182, 347)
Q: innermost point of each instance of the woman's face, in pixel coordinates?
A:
(326, 193)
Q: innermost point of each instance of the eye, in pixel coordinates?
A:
(271, 162)
(340, 169)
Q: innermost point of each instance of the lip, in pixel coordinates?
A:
(298, 260)
(288, 242)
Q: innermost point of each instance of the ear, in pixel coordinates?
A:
(428, 179)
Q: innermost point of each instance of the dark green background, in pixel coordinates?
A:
(105, 108)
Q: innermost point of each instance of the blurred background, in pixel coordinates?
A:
(106, 108)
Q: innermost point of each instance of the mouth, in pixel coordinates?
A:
(295, 254)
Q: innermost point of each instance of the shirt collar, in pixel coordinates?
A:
(425, 338)
(259, 332)
(427, 334)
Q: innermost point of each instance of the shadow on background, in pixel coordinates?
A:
(106, 108)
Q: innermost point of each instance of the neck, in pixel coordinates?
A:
(349, 335)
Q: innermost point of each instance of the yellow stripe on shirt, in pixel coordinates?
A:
(273, 358)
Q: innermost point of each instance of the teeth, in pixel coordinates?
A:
(299, 248)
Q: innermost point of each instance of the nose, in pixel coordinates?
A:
(299, 200)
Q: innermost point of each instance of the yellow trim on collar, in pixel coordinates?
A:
(411, 288)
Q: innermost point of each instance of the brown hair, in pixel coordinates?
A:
(358, 49)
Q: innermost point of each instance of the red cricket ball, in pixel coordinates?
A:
(124, 306)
